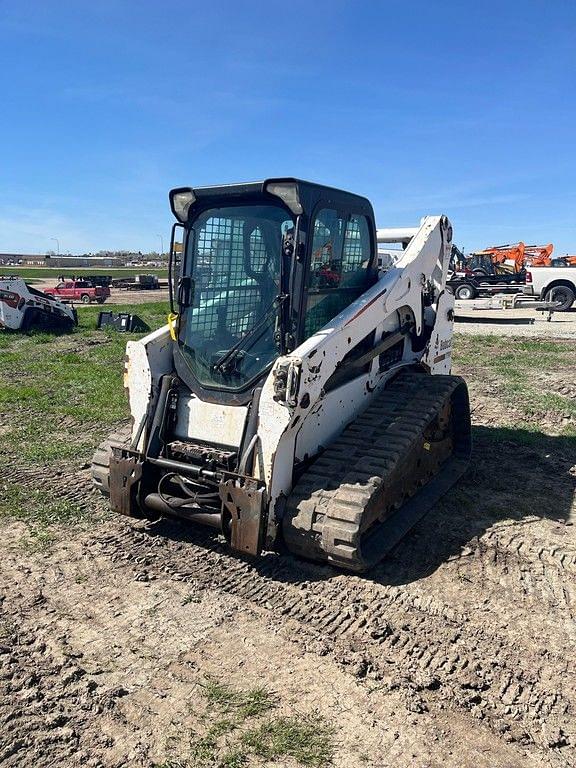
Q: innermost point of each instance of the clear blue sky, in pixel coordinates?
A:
(463, 108)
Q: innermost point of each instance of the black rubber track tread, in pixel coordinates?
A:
(101, 458)
(325, 511)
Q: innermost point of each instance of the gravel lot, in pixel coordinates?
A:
(528, 323)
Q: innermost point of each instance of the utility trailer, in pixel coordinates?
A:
(467, 285)
(137, 283)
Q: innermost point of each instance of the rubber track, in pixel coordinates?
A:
(101, 458)
(325, 511)
(388, 630)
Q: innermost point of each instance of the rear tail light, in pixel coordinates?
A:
(528, 277)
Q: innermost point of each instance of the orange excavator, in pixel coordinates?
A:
(538, 255)
(504, 258)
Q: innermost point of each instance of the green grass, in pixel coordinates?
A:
(520, 368)
(42, 512)
(503, 351)
(238, 734)
(306, 739)
(240, 704)
(38, 506)
(61, 389)
(49, 273)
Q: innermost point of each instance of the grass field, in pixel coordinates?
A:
(48, 273)
(533, 376)
(64, 392)
(61, 390)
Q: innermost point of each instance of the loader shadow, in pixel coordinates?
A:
(515, 475)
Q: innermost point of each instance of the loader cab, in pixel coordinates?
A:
(264, 266)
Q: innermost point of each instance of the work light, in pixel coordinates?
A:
(180, 202)
(286, 191)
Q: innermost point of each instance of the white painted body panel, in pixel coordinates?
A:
(305, 429)
(147, 360)
(213, 422)
(12, 317)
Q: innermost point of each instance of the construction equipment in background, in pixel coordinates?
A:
(24, 308)
(543, 258)
(565, 261)
(498, 259)
(538, 255)
(299, 397)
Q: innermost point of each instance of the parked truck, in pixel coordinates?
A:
(79, 290)
(553, 284)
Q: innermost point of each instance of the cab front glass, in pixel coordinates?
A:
(229, 311)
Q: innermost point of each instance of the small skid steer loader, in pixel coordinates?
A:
(24, 308)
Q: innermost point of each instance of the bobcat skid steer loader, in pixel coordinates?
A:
(298, 397)
(23, 308)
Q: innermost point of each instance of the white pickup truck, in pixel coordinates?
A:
(557, 284)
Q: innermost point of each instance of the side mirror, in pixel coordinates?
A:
(175, 259)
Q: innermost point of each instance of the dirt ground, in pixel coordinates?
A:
(457, 651)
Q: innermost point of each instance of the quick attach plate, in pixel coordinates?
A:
(125, 474)
(243, 499)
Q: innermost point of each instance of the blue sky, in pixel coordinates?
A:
(463, 108)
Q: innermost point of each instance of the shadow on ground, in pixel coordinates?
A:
(515, 475)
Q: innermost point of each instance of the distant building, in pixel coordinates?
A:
(67, 262)
(86, 262)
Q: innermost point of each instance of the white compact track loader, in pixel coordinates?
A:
(299, 397)
(23, 308)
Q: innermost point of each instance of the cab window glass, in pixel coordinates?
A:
(339, 266)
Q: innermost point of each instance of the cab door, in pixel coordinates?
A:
(67, 291)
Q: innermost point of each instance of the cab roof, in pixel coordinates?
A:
(298, 195)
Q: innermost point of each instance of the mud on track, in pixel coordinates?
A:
(457, 651)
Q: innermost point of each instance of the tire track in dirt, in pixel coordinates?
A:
(409, 639)
(518, 555)
(406, 641)
(533, 559)
(48, 706)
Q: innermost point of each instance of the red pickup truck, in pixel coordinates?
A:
(79, 290)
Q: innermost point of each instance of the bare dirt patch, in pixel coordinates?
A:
(456, 651)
